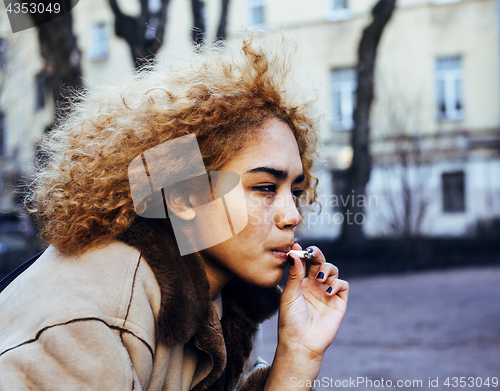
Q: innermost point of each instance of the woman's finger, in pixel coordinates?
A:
(338, 287)
(326, 273)
(316, 261)
(296, 273)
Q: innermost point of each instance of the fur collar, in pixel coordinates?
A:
(186, 311)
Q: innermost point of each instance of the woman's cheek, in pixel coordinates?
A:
(260, 211)
(254, 217)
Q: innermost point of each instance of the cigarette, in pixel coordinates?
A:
(302, 254)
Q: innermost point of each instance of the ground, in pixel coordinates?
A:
(420, 326)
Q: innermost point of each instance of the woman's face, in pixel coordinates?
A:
(271, 174)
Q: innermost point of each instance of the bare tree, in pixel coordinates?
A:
(199, 29)
(143, 34)
(199, 23)
(61, 56)
(358, 174)
(405, 169)
(222, 29)
(12, 58)
(16, 126)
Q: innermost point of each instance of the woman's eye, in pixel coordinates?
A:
(265, 188)
(297, 193)
(271, 189)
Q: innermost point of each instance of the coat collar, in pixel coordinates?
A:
(186, 311)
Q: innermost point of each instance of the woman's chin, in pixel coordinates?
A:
(271, 280)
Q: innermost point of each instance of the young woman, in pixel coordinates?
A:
(112, 304)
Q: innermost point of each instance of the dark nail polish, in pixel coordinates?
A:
(320, 275)
(329, 290)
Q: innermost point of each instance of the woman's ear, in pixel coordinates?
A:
(179, 203)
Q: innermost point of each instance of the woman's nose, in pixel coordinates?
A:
(287, 214)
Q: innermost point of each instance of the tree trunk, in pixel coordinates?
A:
(222, 29)
(62, 59)
(199, 24)
(358, 173)
(198, 32)
(143, 34)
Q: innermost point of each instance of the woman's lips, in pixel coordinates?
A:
(281, 255)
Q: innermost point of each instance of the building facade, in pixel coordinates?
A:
(435, 138)
(435, 121)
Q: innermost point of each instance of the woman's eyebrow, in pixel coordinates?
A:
(278, 174)
(299, 179)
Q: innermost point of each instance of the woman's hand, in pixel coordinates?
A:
(311, 308)
(311, 311)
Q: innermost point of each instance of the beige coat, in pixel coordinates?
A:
(94, 322)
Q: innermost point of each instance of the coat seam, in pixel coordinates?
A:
(132, 290)
(37, 336)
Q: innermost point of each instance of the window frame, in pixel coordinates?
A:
(339, 14)
(99, 42)
(40, 91)
(3, 134)
(442, 2)
(154, 6)
(340, 121)
(451, 94)
(251, 5)
(449, 204)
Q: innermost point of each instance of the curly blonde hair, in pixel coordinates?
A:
(81, 197)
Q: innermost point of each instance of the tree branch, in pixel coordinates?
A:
(61, 55)
(360, 169)
(222, 29)
(143, 34)
(198, 32)
(115, 8)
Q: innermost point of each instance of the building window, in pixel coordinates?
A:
(256, 9)
(437, 2)
(4, 54)
(41, 87)
(453, 188)
(449, 85)
(343, 97)
(339, 10)
(3, 132)
(99, 42)
(154, 6)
